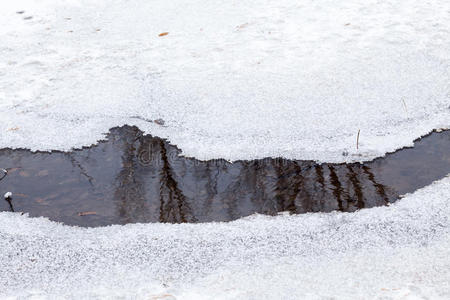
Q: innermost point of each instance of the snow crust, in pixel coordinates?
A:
(232, 79)
(399, 252)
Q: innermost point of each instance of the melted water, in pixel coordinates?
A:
(132, 178)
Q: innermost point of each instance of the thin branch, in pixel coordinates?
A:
(406, 108)
(357, 139)
(5, 172)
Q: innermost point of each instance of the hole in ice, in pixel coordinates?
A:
(131, 177)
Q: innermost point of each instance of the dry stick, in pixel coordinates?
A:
(5, 172)
(7, 197)
(357, 140)
(406, 108)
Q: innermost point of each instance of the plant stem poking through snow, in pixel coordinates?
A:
(8, 195)
(406, 108)
(8, 199)
(357, 139)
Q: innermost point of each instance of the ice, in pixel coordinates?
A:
(396, 251)
(232, 79)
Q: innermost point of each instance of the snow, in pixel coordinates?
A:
(396, 251)
(232, 79)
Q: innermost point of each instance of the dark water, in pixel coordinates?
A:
(135, 178)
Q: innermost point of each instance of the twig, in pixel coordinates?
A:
(7, 195)
(406, 108)
(357, 139)
(11, 207)
(5, 172)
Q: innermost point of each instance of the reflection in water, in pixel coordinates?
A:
(135, 178)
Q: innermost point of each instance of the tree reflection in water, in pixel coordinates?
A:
(132, 178)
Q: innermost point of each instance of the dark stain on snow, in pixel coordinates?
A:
(132, 177)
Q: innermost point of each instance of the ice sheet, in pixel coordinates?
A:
(231, 79)
(397, 251)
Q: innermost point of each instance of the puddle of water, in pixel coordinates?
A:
(135, 178)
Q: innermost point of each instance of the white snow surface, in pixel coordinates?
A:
(232, 79)
(400, 252)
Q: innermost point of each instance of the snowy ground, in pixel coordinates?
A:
(232, 79)
(236, 80)
(397, 251)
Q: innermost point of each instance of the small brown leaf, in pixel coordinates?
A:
(160, 122)
(20, 195)
(41, 201)
(242, 26)
(13, 129)
(162, 297)
(42, 173)
(86, 213)
(11, 170)
(163, 34)
(24, 174)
